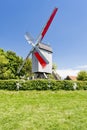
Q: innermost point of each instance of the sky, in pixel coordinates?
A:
(67, 34)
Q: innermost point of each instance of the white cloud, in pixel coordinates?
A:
(65, 72)
(82, 67)
(71, 72)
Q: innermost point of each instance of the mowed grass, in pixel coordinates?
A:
(43, 110)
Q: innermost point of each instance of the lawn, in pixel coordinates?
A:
(43, 110)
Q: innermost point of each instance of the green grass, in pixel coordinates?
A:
(43, 110)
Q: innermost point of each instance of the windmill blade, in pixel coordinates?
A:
(44, 30)
(24, 62)
(40, 57)
(38, 54)
(29, 39)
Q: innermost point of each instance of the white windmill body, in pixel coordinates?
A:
(46, 50)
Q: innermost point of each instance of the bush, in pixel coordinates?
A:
(67, 85)
(82, 85)
(82, 76)
(8, 84)
(42, 84)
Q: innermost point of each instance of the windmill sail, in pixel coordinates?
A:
(24, 62)
(43, 61)
(38, 54)
(40, 59)
(45, 29)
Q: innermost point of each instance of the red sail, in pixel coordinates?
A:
(48, 22)
(40, 59)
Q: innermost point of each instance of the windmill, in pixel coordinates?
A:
(41, 53)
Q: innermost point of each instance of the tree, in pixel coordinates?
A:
(9, 64)
(82, 75)
(3, 63)
(14, 62)
(27, 68)
(54, 66)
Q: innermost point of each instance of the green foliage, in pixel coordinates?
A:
(82, 75)
(82, 85)
(3, 63)
(8, 84)
(42, 85)
(9, 64)
(27, 69)
(54, 66)
(68, 85)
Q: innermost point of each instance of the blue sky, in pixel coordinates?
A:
(67, 34)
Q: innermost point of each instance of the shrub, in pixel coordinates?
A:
(67, 85)
(8, 84)
(42, 84)
(82, 76)
(82, 85)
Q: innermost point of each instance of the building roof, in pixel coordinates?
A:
(71, 78)
(45, 47)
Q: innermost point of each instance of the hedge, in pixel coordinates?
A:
(42, 85)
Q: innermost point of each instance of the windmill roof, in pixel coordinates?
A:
(45, 47)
